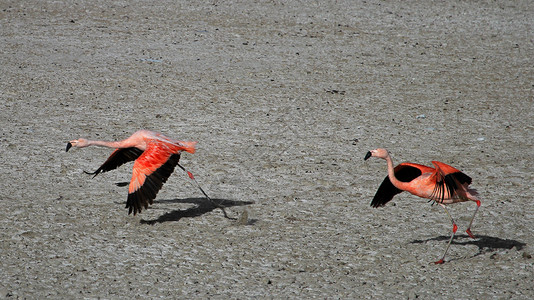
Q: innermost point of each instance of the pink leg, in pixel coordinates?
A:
(206, 195)
(454, 229)
(468, 231)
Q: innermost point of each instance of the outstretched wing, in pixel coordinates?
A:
(450, 183)
(405, 172)
(150, 171)
(118, 158)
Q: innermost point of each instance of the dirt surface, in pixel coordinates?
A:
(284, 98)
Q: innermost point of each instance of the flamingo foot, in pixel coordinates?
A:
(468, 231)
(439, 262)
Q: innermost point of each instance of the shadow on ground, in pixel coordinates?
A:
(202, 206)
(484, 243)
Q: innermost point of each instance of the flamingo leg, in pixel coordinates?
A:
(218, 205)
(454, 229)
(468, 231)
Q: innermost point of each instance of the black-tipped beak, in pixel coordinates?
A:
(367, 155)
(69, 145)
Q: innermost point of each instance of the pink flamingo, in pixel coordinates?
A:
(442, 184)
(155, 157)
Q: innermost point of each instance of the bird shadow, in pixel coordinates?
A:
(484, 243)
(201, 206)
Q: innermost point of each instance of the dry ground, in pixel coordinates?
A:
(284, 98)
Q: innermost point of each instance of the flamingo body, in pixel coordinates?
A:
(442, 184)
(438, 184)
(155, 157)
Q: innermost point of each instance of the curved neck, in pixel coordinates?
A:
(391, 174)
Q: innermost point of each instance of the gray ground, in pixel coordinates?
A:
(284, 98)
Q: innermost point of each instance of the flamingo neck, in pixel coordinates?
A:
(105, 144)
(391, 174)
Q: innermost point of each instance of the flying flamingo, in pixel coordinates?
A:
(155, 157)
(442, 184)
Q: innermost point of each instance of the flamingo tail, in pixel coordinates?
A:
(189, 146)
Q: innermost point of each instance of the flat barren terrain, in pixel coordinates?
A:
(284, 98)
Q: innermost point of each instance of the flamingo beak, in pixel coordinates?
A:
(69, 145)
(367, 155)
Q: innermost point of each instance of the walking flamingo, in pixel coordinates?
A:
(442, 184)
(155, 157)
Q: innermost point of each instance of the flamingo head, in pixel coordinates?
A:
(380, 153)
(80, 143)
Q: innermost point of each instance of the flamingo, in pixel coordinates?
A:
(155, 157)
(442, 184)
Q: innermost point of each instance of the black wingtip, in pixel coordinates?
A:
(69, 145)
(367, 155)
(92, 173)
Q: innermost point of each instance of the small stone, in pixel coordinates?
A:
(243, 219)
